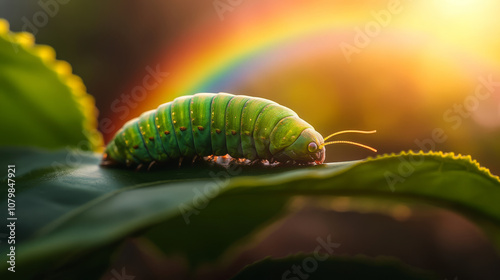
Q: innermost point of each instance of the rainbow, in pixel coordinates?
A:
(218, 57)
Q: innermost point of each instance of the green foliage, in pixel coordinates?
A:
(43, 104)
(72, 207)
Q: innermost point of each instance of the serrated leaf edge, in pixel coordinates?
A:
(466, 160)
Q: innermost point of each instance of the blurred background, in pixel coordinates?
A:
(405, 68)
(424, 74)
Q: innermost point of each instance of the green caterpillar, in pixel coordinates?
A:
(208, 124)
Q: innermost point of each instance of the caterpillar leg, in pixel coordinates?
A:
(107, 161)
(151, 165)
(194, 160)
(139, 167)
(255, 162)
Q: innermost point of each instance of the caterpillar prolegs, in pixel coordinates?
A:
(208, 124)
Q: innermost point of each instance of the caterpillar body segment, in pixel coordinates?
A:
(165, 128)
(253, 109)
(151, 137)
(201, 108)
(218, 123)
(181, 120)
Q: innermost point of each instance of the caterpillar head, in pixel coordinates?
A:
(310, 146)
(307, 148)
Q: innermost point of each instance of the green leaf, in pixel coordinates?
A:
(43, 103)
(223, 222)
(64, 200)
(68, 206)
(309, 267)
